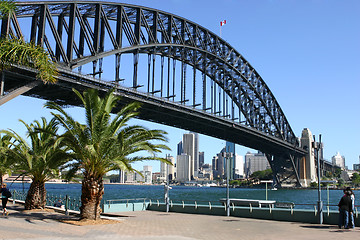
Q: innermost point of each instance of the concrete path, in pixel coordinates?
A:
(151, 225)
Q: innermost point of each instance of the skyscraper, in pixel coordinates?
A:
(189, 149)
(170, 168)
(196, 155)
(201, 159)
(183, 163)
(218, 164)
(179, 148)
(230, 148)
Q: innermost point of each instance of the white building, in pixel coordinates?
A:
(167, 171)
(338, 160)
(255, 162)
(147, 172)
(183, 172)
(239, 166)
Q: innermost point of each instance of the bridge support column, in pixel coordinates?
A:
(285, 170)
(307, 166)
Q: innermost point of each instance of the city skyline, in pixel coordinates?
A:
(306, 52)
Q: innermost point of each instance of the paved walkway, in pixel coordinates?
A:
(151, 225)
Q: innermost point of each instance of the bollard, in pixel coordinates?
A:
(14, 196)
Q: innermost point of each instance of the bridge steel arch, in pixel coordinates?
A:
(221, 95)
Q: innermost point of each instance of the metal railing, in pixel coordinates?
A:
(64, 201)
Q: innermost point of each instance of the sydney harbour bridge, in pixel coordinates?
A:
(183, 74)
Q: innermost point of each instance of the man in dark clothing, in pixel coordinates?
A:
(345, 208)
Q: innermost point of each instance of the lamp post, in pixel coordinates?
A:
(227, 158)
(317, 146)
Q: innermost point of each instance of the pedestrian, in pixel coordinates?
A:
(351, 219)
(5, 195)
(345, 208)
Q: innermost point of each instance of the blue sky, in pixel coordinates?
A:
(307, 51)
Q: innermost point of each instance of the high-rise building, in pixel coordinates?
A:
(183, 173)
(170, 168)
(338, 160)
(196, 155)
(147, 172)
(201, 159)
(167, 170)
(179, 148)
(239, 166)
(230, 148)
(255, 162)
(189, 142)
(163, 172)
(218, 164)
(121, 176)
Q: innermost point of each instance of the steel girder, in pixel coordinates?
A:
(80, 33)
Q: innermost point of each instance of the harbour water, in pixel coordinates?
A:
(303, 198)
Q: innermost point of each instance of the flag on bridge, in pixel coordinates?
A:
(222, 23)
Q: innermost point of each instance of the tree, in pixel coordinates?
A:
(104, 144)
(14, 51)
(40, 160)
(5, 162)
(355, 179)
(263, 175)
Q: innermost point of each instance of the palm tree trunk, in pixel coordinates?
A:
(91, 194)
(36, 196)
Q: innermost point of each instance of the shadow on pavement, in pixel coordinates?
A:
(319, 226)
(18, 211)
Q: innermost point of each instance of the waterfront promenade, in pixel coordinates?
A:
(151, 225)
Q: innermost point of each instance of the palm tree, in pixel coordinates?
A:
(104, 144)
(15, 51)
(5, 163)
(39, 160)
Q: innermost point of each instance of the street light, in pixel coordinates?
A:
(317, 146)
(227, 156)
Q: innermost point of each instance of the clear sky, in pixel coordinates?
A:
(307, 52)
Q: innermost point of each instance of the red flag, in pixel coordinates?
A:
(222, 23)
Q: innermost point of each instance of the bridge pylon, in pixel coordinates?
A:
(307, 163)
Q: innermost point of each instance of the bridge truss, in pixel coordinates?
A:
(185, 75)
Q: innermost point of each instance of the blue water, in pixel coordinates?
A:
(301, 197)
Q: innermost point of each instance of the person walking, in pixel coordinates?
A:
(345, 208)
(5, 195)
